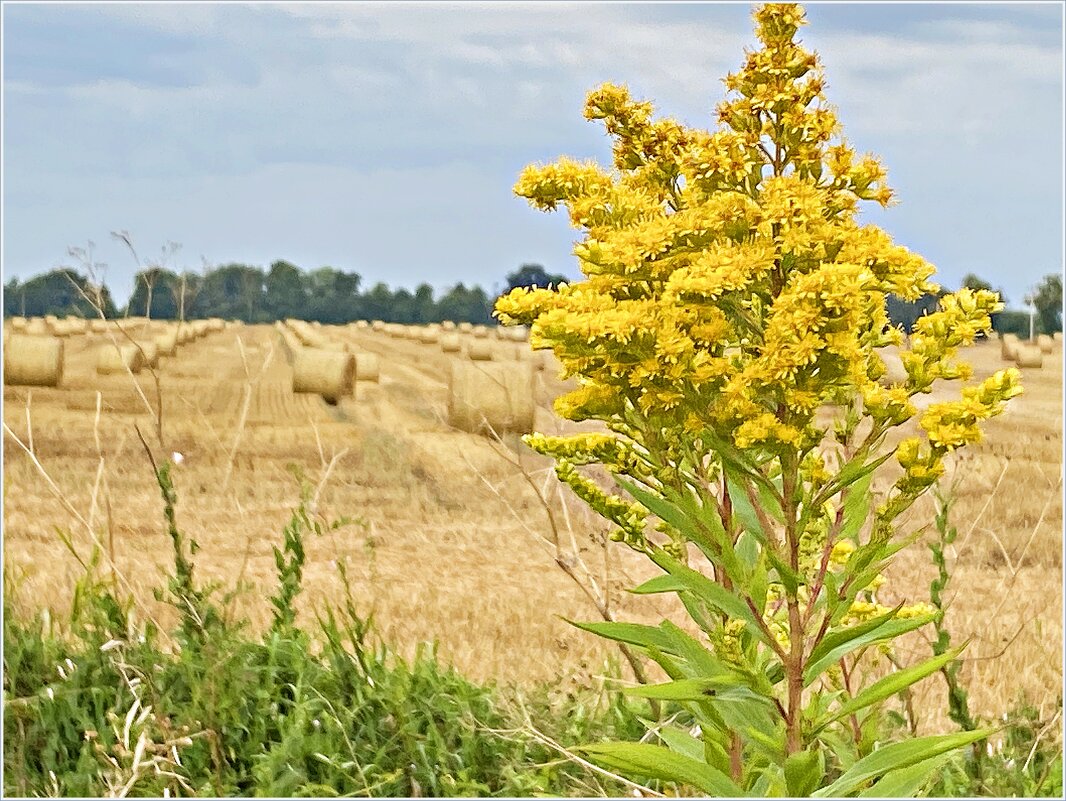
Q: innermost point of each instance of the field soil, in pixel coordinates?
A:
(452, 536)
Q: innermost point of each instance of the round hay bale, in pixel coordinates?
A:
(200, 328)
(449, 343)
(18, 323)
(216, 324)
(1045, 343)
(98, 326)
(377, 325)
(110, 360)
(362, 325)
(33, 361)
(480, 332)
(1029, 356)
(150, 352)
(491, 398)
(35, 326)
(167, 342)
(447, 325)
(992, 336)
(1057, 336)
(367, 367)
(1008, 347)
(429, 336)
(479, 351)
(323, 372)
(466, 328)
(518, 333)
(501, 333)
(76, 325)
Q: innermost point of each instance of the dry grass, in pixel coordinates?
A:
(452, 539)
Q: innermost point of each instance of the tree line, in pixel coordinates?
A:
(244, 292)
(333, 297)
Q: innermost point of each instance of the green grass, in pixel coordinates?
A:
(323, 710)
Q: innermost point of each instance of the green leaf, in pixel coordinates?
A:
(632, 634)
(837, 642)
(804, 772)
(682, 742)
(657, 762)
(897, 756)
(711, 592)
(856, 507)
(664, 583)
(905, 782)
(683, 514)
(892, 684)
(685, 689)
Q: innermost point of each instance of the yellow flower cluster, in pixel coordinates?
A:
(629, 517)
(732, 297)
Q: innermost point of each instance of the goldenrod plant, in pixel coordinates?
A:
(729, 335)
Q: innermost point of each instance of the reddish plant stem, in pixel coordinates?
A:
(847, 688)
(827, 552)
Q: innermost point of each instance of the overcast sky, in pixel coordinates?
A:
(385, 138)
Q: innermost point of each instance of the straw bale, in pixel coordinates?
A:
(487, 398)
(1045, 343)
(450, 343)
(35, 326)
(167, 342)
(150, 351)
(479, 351)
(323, 372)
(1029, 356)
(447, 325)
(1008, 347)
(466, 328)
(367, 367)
(34, 361)
(110, 360)
(429, 336)
(480, 332)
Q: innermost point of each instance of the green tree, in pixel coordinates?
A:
(1048, 303)
(154, 286)
(285, 295)
(423, 309)
(234, 291)
(60, 292)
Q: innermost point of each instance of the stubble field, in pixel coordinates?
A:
(453, 536)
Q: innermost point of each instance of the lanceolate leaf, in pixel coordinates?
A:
(633, 634)
(711, 592)
(905, 782)
(682, 743)
(838, 642)
(664, 583)
(896, 757)
(656, 762)
(892, 684)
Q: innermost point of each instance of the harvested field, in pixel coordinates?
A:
(450, 539)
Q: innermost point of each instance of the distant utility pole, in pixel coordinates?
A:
(1032, 312)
